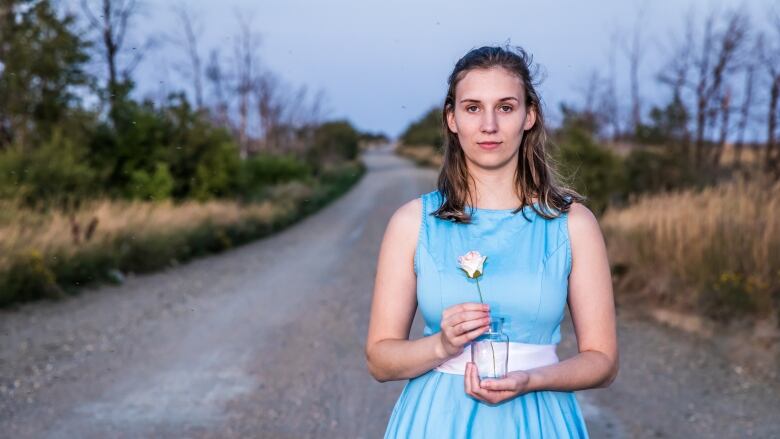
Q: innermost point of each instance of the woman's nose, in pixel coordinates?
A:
(489, 123)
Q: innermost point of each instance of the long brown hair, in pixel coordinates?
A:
(536, 175)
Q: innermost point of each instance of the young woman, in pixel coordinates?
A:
(496, 194)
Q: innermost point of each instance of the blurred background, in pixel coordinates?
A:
(138, 135)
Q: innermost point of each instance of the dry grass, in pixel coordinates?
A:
(53, 232)
(422, 155)
(750, 155)
(717, 249)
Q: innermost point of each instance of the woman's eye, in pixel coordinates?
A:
(470, 107)
(506, 108)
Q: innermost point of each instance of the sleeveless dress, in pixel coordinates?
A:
(525, 280)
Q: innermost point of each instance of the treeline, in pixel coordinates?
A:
(720, 120)
(97, 184)
(722, 107)
(68, 133)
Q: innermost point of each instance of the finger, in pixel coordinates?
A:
(478, 390)
(474, 378)
(465, 316)
(467, 379)
(466, 306)
(455, 319)
(471, 335)
(468, 316)
(500, 384)
(465, 327)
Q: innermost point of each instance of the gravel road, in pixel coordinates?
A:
(267, 341)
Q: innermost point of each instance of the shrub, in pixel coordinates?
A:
(426, 131)
(263, 170)
(28, 278)
(655, 170)
(55, 172)
(155, 186)
(333, 142)
(592, 169)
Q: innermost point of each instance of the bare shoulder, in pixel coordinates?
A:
(409, 212)
(581, 220)
(406, 220)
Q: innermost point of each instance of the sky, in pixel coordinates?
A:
(382, 64)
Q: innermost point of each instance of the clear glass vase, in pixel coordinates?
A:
(490, 351)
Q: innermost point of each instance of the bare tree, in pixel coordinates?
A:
(744, 112)
(725, 113)
(769, 55)
(246, 65)
(635, 49)
(113, 18)
(714, 63)
(216, 76)
(590, 91)
(287, 116)
(269, 107)
(703, 87)
(611, 105)
(189, 41)
(771, 157)
(305, 113)
(676, 73)
(731, 44)
(597, 102)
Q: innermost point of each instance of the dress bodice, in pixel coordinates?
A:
(526, 272)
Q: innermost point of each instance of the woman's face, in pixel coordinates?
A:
(490, 117)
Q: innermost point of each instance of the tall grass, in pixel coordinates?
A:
(51, 254)
(716, 250)
(422, 155)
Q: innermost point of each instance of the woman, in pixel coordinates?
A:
(496, 194)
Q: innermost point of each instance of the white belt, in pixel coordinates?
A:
(522, 356)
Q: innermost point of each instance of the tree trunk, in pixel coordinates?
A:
(770, 158)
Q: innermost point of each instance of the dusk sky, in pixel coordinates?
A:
(383, 64)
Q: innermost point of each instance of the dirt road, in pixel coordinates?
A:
(267, 341)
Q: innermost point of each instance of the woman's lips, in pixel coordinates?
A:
(489, 145)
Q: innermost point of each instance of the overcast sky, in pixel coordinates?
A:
(384, 63)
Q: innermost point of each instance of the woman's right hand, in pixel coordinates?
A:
(460, 324)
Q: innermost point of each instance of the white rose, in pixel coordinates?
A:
(471, 263)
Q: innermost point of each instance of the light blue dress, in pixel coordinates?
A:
(525, 281)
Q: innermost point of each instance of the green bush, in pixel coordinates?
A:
(148, 145)
(56, 172)
(204, 159)
(426, 131)
(28, 278)
(216, 172)
(263, 170)
(31, 276)
(591, 169)
(155, 186)
(655, 170)
(333, 142)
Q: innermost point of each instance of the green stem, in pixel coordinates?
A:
(491, 343)
(480, 291)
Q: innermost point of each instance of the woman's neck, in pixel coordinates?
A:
(493, 189)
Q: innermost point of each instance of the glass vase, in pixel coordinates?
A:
(490, 351)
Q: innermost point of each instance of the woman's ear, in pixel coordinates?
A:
(451, 121)
(530, 118)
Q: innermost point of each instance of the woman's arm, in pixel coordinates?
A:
(389, 353)
(592, 309)
(593, 313)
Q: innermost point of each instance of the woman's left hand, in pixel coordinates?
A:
(494, 391)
